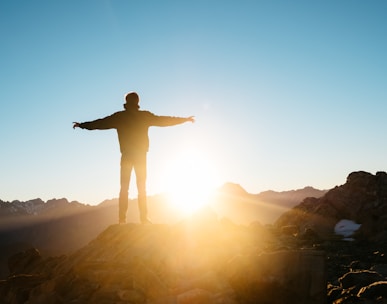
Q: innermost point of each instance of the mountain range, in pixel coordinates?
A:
(12, 213)
(240, 248)
(58, 226)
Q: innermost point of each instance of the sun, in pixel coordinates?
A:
(190, 180)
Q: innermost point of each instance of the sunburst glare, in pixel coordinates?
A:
(190, 180)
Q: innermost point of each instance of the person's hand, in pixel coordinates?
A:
(191, 119)
(75, 125)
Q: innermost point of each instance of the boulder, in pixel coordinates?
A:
(279, 276)
(358, 279)
(374, 291)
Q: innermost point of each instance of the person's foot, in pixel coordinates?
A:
(146, 221)
(122, 222)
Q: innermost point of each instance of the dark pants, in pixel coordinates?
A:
(138, 163)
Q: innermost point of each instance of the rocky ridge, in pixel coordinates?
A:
(362, 199)
(200, 260)
(357, 270)
(210, 260)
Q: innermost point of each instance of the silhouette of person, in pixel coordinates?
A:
(132, 127)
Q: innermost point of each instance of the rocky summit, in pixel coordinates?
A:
(200, 260)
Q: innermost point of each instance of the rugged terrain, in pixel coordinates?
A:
(200, 260)
(210, 259)
(61, 227)
(362, 262)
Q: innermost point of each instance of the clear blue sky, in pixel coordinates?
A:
(287, 94)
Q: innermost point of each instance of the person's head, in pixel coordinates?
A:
(132, 101)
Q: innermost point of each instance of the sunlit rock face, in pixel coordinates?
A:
(362, 199)
(199, 260)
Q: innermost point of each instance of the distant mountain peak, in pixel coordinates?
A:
(232, 188)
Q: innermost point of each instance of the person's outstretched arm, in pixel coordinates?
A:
(165, 121)
(108, 122)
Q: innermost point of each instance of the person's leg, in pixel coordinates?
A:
(126, 169)
(140, 169)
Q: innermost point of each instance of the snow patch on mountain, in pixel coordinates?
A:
(346, 228)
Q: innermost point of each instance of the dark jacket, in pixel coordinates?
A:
(132, 127)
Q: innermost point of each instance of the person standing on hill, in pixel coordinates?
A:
(132, 128)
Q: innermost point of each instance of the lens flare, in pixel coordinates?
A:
(190, 181)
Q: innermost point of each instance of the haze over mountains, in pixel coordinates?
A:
(59, 226)
(22, 212)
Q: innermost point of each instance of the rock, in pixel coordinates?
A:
(311, 236)
(358, 279)
(380, 268)
(334, 292)
(21, 262)
(17, 288)
(374, 291)
(195, 296)
(279, 276)
(290, 230)
(132, 296)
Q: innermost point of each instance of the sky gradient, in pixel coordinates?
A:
(286, 94)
